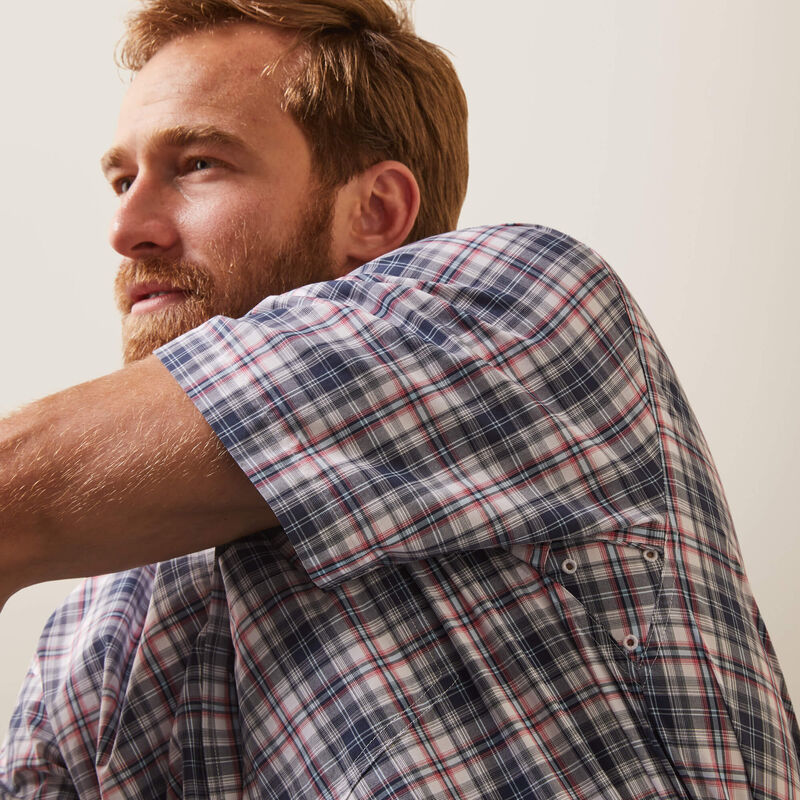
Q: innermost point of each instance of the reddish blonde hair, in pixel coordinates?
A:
(367, 88)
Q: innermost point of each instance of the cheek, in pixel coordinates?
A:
(222, 220)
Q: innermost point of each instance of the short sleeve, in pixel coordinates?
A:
(473, 391)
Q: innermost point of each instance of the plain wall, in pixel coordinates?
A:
(662, 133)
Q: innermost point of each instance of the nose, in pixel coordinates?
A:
(144, 223)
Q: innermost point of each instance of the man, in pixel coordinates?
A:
(494, 560)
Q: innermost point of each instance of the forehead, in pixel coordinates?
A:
(219, 77)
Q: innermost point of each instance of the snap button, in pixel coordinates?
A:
(630, 642)
(569, 565)
(651, 555)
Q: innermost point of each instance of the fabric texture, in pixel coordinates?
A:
(506, 569)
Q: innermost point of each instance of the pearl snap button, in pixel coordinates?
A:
(630, 642)
(569, 565)
(651, 555)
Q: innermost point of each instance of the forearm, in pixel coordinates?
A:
(114, 473)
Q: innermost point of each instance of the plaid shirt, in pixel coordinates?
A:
(507, 569)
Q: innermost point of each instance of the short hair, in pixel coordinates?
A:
(367, 89)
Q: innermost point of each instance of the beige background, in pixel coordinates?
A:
(661, 132)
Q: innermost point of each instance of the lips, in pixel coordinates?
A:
(148, 297)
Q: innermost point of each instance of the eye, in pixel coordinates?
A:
(121, 185)
(199, 164)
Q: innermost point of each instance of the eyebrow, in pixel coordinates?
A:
(177, 136)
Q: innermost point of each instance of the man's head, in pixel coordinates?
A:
(263, 146)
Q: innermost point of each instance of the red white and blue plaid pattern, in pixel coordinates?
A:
(508, 569)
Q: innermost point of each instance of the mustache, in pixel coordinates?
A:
(180, 274)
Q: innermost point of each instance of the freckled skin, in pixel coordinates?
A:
(194, 81)
(225, 219)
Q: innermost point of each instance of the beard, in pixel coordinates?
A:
(241, 273)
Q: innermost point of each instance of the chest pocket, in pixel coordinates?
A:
(617, 584)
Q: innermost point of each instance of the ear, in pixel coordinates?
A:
(374, 213)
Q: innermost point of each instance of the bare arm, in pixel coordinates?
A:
(114, 473)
